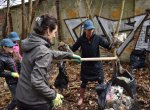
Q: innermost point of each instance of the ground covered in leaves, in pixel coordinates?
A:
(90, 103)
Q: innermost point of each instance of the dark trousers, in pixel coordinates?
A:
(13, 103)
(23, 106)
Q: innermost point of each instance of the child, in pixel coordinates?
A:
(8, 69)
(15, 39)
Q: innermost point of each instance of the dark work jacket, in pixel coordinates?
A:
(91, 70)
(33, 86)
(8, 65)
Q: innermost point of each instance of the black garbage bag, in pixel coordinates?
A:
(120, 77)
(137, 58)
(61, 81)
(129, 87)
(102, 91)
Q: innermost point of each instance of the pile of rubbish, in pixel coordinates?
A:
(117, 100)
(119, 93)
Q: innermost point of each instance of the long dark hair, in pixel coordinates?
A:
(43, 22)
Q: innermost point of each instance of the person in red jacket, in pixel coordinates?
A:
(9, 70)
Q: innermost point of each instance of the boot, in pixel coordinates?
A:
(80, 101)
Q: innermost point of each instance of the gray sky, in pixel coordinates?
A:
(3, 3)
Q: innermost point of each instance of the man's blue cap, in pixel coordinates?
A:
(88, 24)
(14, 36)
(7, 42)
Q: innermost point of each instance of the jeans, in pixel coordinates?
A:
(13, 103)
(23, 106)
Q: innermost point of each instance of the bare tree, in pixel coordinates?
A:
(29, 16)
(8, 23)
(24, 34)
(6, 26)
(58, 17)
(34, 9)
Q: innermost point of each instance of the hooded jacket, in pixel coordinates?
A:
(33, 87)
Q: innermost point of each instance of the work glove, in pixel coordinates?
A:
(76, 58)
(64, 47)
(58, 100)
(14, 75)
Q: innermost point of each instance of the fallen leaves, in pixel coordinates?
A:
(90, 102)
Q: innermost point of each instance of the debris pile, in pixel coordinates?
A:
(117, 100)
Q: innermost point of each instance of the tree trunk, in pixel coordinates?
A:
(34, 9)
(6, 27)
(59, 21)
(29, 16)
(23, 21)
(8, 23)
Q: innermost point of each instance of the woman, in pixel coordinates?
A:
(89, 43)
(9, 70)
(33, 90)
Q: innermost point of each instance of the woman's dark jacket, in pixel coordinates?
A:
(33, 85)
(91, 70)
(8, 65)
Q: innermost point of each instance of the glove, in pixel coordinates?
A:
(58, 100)
(14, 75)
(76, 58)
(63, 47)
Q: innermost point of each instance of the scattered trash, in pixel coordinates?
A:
(120, 38)
(119, 92)
(117, 100)
(127, 80)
